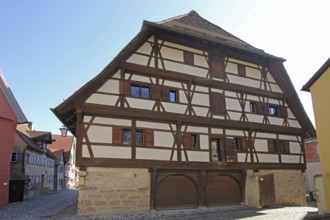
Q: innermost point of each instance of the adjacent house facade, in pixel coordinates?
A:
(68, 145)
(38, 161)
(188, 116)
(318, 85)
(313, 166)
(10, 115)
(59, 177)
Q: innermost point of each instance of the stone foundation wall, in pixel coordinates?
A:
(113, 190)
(290, 187)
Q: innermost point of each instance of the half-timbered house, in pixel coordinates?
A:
(188, 116)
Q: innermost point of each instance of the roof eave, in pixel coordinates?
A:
(316, 76)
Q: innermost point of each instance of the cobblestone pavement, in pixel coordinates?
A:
(42, 206)
(63, 205)
(221, 213)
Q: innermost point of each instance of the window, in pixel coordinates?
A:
(140, 91)
(190, 141)
(188, 57)
(16, 157)
(272, 146)
(285, 147)
(272, 110)
(139, 138)
(216, 150)
(126, 136)
(253, 107)
(194, 141)
(31, 159)
(172, 96)
(241, 70)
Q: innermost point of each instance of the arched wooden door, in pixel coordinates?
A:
(223, 190)
(176, 192)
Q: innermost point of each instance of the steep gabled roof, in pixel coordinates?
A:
(192, 22)
(12, 101)
(195, 27)
(316, 76)
(23, 131)
(41, 136)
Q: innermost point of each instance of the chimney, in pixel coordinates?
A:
(30, 125)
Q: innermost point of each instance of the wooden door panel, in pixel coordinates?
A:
(267, 190)
(176, 192)
(223, 190)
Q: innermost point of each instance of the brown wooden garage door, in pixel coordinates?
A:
(222, 190)
(176, 192)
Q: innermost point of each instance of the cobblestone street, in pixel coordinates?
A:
(63, 205)
(42, 206)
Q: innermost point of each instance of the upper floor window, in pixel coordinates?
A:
(188, 57)
(273, 146)
(16, 157)
(140, 91)
(126, 136)
(139, 137)
(173, 96)
(190, 141)
(272, 110)
(253, 107)
(241, 70)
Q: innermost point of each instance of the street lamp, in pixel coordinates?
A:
(64, 131)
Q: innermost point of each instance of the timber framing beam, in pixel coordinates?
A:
(176, 76)
(128, 163)
(109, 111)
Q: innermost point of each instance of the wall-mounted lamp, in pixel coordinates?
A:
(64, 131)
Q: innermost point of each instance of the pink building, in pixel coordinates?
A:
(10, 115)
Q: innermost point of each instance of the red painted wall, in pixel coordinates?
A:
(8, 122)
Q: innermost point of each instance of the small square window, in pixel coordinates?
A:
(126, 136)
(139, 138)
(273, 111)
(172, 96)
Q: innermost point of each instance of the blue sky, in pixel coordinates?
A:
(49, 49)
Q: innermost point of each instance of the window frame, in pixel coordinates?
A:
(253, 107)
(142, 138)
(195, 145)
(130, 136)
(140, 86)
(272, 108)
(175, 95)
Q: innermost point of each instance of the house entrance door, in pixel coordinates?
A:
(267, 190)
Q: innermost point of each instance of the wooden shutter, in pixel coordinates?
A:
(285, 147)
(124, 87)
(186, 140)
(245, 144)
(230, 148)
(148, 137)
(283, 112)
(271, 146)
(218, 104)
(241, 70)
(188, 57)
(217, 67)
(117, 135)
(260, 108)
(165, 94)
(156, 92)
